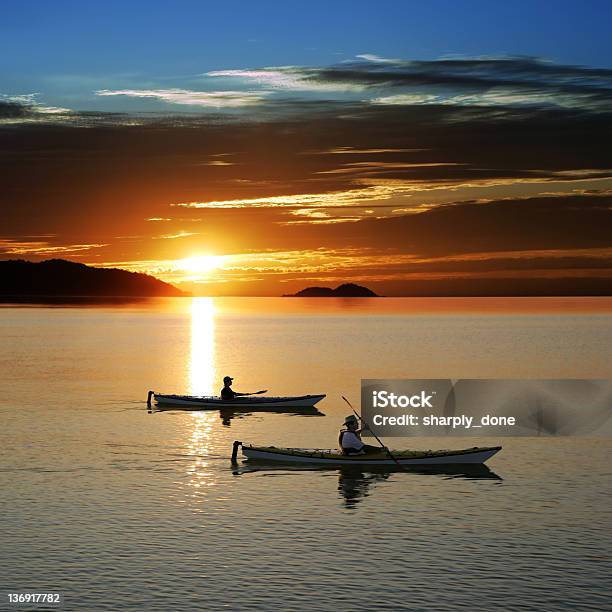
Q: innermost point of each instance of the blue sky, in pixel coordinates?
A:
(65, 51)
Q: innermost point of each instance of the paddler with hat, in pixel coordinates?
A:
(349, 439)
(227, 393)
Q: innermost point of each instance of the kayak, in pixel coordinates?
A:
(247, 402)
(475, 455)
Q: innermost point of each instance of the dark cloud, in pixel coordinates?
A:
(268, 155)
(571, 222)
(491, 71)
(14, 110)
(489, 81)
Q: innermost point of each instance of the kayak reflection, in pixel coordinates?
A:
(227, 414)
(355, 483)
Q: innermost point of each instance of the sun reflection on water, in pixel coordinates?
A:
(200, 472)
(199, 426)
(202, 363)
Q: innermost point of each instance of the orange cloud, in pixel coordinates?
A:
(16, 247)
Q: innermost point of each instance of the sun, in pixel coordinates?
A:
(200, 264)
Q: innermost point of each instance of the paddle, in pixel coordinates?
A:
(399, 465)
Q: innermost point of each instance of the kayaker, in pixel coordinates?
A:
(227, 393)
(349, 439)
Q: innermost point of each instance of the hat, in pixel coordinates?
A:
(227, 378)
(351, 418)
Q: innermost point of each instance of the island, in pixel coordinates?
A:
(59, 277)
(345, 290)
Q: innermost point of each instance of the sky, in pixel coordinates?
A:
(238, 149)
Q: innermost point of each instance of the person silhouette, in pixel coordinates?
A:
(227, 393)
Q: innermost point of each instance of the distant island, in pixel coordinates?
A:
(59, 277)
(345, 290)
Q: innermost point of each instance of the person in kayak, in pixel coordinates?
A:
(227, 393)
(349, 439)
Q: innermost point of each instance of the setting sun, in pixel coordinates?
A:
(200, 264)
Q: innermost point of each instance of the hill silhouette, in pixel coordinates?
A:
(59, 277)
(345, 290)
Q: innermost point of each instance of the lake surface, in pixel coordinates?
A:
(120, 509)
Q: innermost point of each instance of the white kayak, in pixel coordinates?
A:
(258, 402)
(475, 455)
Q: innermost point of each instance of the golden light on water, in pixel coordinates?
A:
(199, 473)
(202, 380)
(202, 372)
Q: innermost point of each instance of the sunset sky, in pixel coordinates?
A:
(255, 149)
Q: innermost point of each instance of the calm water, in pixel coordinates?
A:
(120, 509)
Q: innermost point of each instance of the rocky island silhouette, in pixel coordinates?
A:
(344, 290)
